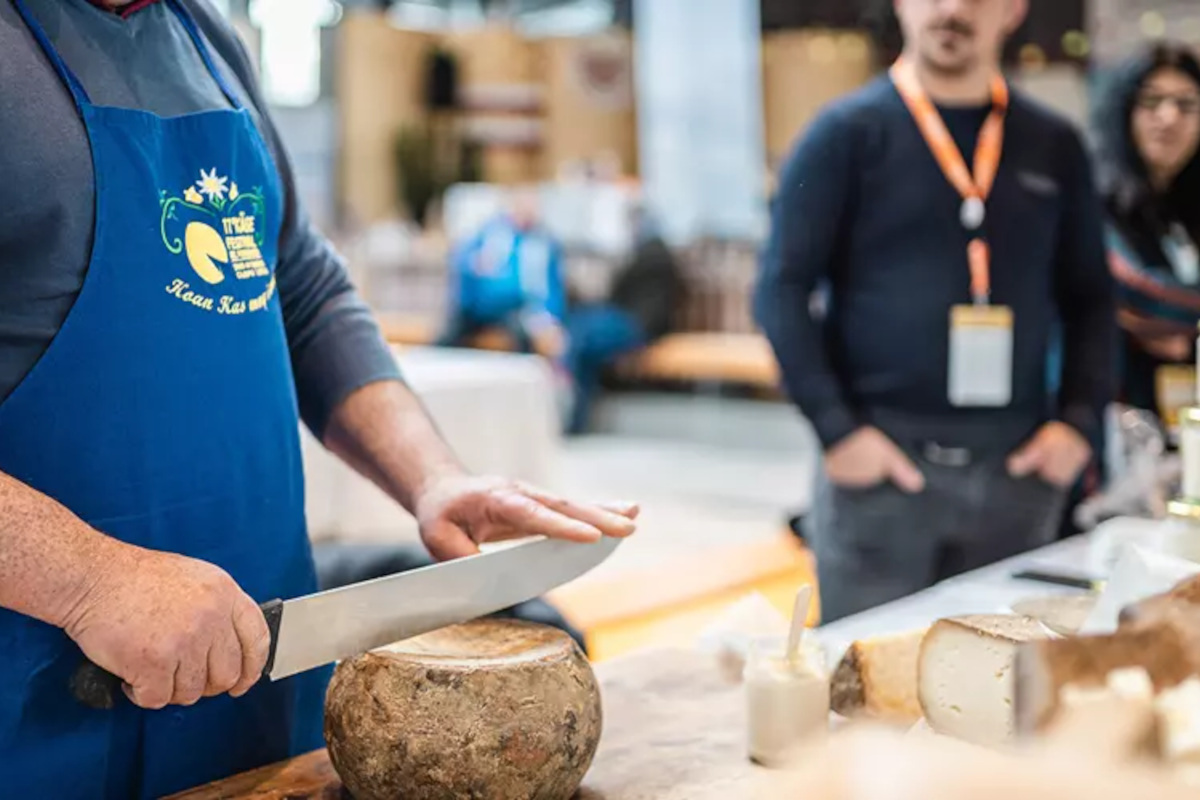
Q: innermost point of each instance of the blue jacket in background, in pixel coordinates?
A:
(504, 270)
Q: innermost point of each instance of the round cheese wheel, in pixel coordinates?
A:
(489, 709)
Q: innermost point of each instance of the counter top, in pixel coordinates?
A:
(674, 729)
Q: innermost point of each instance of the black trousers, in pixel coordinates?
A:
(341, 564)
(877, 544)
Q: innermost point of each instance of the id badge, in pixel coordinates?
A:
(1174, 390)
(981, 348)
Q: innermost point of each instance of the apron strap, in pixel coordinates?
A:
(189, 24)
(78, 93)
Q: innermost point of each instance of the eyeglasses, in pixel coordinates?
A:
(1187, 104)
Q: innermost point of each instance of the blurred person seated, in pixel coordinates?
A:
(508, 279)
(1150, 174)
(639, 310)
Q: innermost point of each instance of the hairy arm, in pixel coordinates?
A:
(383, 432)
(48, 556)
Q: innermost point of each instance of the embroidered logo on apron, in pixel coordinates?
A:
(219, 228)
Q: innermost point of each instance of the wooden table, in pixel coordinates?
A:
(673, 730)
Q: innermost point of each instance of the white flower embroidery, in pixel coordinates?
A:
(211, 186)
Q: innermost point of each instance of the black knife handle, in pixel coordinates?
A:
(273, 612)
(97, 688)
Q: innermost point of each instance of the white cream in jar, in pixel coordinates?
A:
(787, 703)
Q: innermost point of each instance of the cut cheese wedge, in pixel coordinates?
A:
(877, 679)
(965, 675)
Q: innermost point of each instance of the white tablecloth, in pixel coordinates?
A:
(496, 410)
(984, 591)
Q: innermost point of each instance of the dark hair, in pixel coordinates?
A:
(1124, 177)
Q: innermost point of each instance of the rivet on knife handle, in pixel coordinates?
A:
(96, 687)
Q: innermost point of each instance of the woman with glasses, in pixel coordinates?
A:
(1151, 179)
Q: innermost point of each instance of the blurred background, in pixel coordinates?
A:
(410, 125)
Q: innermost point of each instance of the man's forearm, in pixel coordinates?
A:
(48, 556)
(383, 432)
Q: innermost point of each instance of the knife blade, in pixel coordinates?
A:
(321, 628)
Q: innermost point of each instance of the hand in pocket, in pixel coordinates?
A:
(868, 458)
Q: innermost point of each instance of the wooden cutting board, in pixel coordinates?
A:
(673, 730)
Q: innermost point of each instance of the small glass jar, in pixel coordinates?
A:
(787, 702)
(1189, 449)
(1181, 532)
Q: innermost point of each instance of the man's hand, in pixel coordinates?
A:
(868, 458)
(1057, 453)
(550, 342)
(458, 513)
(174, 629)
(546, 334)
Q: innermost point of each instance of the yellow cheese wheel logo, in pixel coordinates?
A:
(205, 246)
(221, 230)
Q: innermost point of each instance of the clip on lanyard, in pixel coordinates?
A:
(974, 188)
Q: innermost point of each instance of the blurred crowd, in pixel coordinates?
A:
(990, 285)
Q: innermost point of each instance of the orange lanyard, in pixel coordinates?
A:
(975, 187)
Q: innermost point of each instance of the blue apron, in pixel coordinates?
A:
(164, 414)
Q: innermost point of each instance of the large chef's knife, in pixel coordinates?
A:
(325, 627)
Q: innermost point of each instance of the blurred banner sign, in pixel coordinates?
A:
(700, 116)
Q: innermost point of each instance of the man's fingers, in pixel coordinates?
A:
(609, 521)
(627, 510)
(224, 666)
(1026, 461)
(518, 510)
(255, 640)
(447, 541)
(153, 689)
(904, 473)
(191, 677)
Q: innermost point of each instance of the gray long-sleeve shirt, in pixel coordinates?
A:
(47, 187)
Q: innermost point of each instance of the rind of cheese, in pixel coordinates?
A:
(1182, 598)
(1128, 683)
(492, 708)
(877, 678)
(965, 682)
(1045, 667)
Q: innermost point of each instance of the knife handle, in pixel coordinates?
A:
(97, 688)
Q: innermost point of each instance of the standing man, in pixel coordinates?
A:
(952, 222)
(167, 315)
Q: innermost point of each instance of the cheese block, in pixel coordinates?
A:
(493, 709)
(1116, 722)
(877, 679)
(1045, 668)
(1063, 614)
(1179, 711)
(1182, 598)
(964, 676)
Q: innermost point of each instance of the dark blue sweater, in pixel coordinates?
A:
(864, 211)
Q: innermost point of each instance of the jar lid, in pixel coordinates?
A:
(1190, 414)
(1184, 509)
